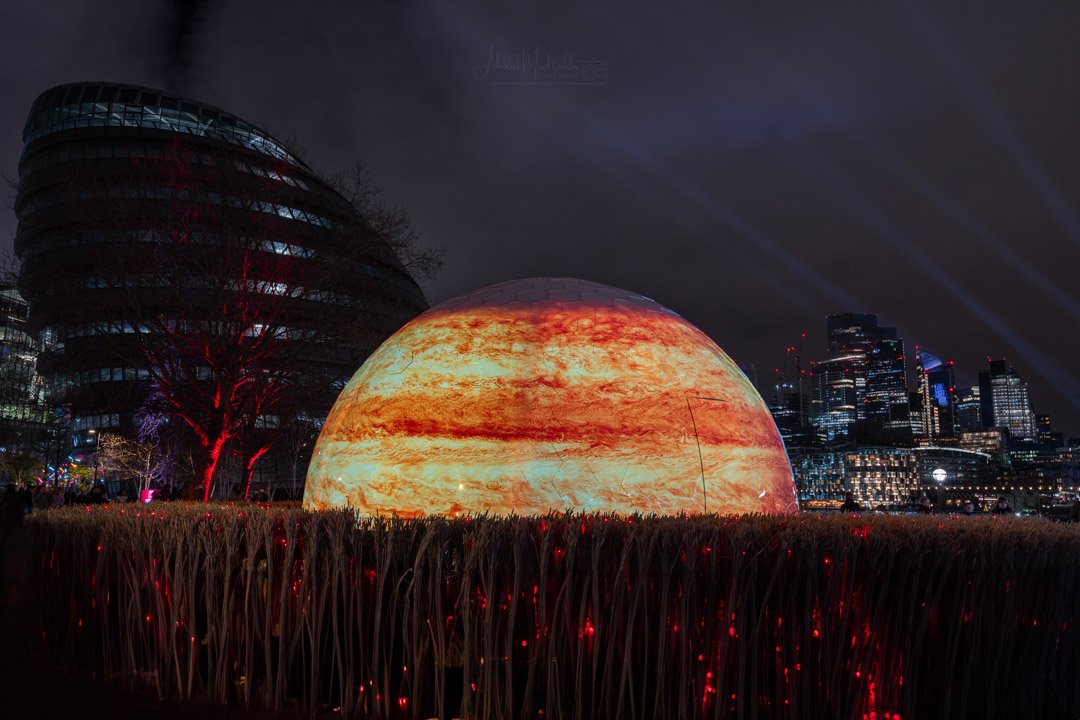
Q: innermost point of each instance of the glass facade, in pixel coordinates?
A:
(969, 410)
(89, 105)
(862, 384)
(837, 381)
(819, 475)
(937, 392)
(889, 477)
(1005, 395)
(953, 468)
(24, 414)
(988, 442)
(885, 405)
(113, 174)
(882, 476)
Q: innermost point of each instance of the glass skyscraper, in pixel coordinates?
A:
(937, 390)
(24, 414)
(1005, 401)
(862, 385)
(969, 410)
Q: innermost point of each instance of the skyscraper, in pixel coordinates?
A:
(885, 405)
(862, 383)
(24, 416)
(1048, 439)
(969, 410)
(791, 412)
(835, 381)
(849, 335)
(1005, 401)
(936, 387)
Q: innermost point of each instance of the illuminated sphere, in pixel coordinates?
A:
(549, 394)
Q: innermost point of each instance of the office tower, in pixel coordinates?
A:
(1005, 401)
(969, 410)
(862, 383)
(835, 381)
(25, 419)
(1048, 439)
(936, 388)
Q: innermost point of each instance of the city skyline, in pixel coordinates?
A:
(813, 349)
(751, 175)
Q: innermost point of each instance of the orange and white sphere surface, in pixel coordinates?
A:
(549, 394)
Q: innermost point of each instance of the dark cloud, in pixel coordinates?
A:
(753, 166)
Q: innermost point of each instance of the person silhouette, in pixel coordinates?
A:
(849, 503)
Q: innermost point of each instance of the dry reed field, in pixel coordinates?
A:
(568, 616)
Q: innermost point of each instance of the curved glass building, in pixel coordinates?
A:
(124, 191)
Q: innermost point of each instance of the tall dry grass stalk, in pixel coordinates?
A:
(569, 616)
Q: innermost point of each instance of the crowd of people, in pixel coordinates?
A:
(42, 497)
(45, 496)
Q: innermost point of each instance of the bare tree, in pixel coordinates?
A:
(391, 222)
(289, 428)
(129, 458)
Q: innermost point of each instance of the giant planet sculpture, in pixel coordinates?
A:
(549, 394)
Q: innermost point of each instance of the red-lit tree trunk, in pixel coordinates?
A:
(249, 468)
(213, 457)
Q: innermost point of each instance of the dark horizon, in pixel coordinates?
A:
(752, 169)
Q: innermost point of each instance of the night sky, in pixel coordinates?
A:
(753, 166)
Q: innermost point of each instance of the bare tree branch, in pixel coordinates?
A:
(390, 221)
